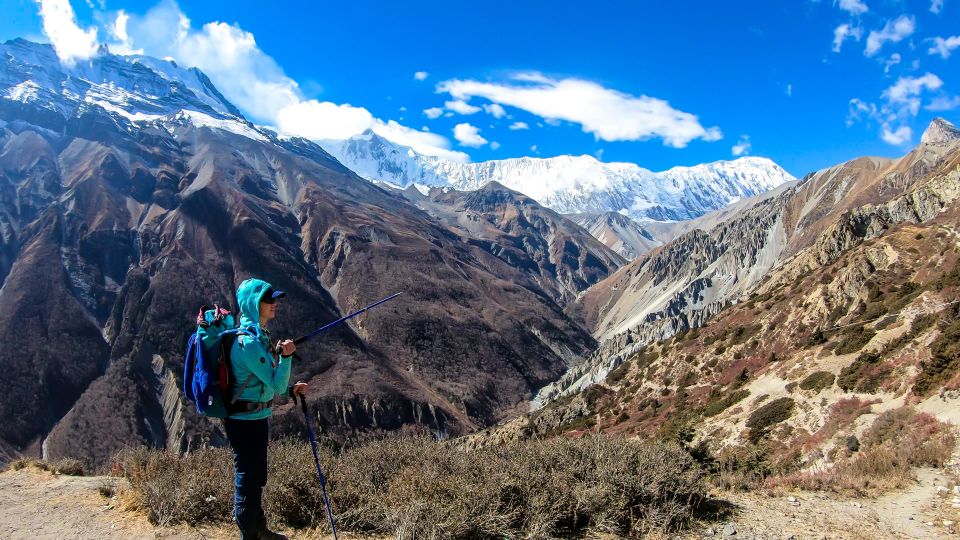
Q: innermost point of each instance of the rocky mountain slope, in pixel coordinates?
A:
(851, 337)
(561, 257)
(618, 232)
(570, 184)
(689, 280)
(132, 193)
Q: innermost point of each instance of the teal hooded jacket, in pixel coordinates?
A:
(258, 374)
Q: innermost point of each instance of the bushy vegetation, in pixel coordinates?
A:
(853, 339)
(767, 416)
(898, 440)
(817, 381)
(67, 466)
(720, 403)
(865, 374)
(414, 487)
(943, 362)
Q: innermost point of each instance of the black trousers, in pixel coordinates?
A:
(248, 439)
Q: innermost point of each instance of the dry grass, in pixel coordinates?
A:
(898, 441)
(67, 466)
(414, 487)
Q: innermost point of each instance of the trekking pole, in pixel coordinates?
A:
(327, 326)
(316, 459)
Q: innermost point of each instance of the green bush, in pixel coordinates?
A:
(767, 416)
(865, 374)
(721, 403)
(853, 339)
(943, 362)
(817, 381)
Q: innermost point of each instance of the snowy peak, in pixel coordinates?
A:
(136, 87)
(570, 184)
(940, 131)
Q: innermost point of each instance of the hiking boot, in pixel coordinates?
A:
(266, 534)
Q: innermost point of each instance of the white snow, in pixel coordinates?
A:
(571, 184)
(200, 119)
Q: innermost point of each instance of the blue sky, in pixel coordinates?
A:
(805, 83)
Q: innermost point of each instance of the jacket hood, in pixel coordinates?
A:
(248, 298)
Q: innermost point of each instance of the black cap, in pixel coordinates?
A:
(272, 293)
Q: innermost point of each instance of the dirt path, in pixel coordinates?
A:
(37, 504)
(923, 510)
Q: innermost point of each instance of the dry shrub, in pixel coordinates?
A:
(415, 487)
(172, 489)
(898, 441)
(67, 466)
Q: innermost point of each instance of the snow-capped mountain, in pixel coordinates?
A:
(571, 184)
(134, 89)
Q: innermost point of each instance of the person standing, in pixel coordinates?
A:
(260, 374)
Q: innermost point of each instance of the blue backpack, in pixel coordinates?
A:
(207, 376)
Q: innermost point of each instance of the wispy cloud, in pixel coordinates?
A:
(608, 114)
(742, 147)
(844, 32)
(936, 6)
(461, 107)
(901, 103)
(433, 112)
(944, 47)
(468, 135)
(494, 110)
(71, 42)
(519, 125)
(853, 7)
(893, 31)
(421, 75)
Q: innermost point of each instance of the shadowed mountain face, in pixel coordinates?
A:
(554, 252)
(114, 228)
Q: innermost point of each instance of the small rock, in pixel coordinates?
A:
(794, 503)
(729, 530)
(941, 489)
(792, 499)
(709, 531)
(956, 489)
(929, 524)
(947, 523)
(910, 518)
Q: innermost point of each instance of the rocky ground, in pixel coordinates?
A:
(39, 505)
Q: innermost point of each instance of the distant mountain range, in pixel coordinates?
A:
(570, 184)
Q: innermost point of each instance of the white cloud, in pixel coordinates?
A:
(943, 103)
(742, 147)
(906, 91)
(461, 107)
(936, 6)
(853, 7)
(433, 112)
(608, 114)
(534, 149)
(494, 145)
(495, 110)
(902, 103)
(253, 81)
(944, 47)
(71, 42)
(421, 75)
(519, 125)
(896, 137)
(889, 63)
(893, 31)
(789, 90)
(468, 135)
(844, 31)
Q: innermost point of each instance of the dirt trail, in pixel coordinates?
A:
(919, 511)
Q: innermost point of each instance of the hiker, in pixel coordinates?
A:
(260, 376)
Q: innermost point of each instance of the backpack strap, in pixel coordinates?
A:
(236, 393)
